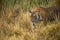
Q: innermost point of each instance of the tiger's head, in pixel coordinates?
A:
(34, 16)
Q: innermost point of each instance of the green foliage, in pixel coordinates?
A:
(27, 4)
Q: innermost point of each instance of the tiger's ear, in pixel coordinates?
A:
(30, 13)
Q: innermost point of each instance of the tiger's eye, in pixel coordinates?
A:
(33, 14)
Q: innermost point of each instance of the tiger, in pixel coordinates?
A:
(44, 14)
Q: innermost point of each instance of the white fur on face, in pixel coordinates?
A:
(30, 14)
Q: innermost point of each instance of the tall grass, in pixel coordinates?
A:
(28, 4)
(15, 23)
(22, 29)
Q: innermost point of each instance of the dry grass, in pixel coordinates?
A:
(21, 28)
